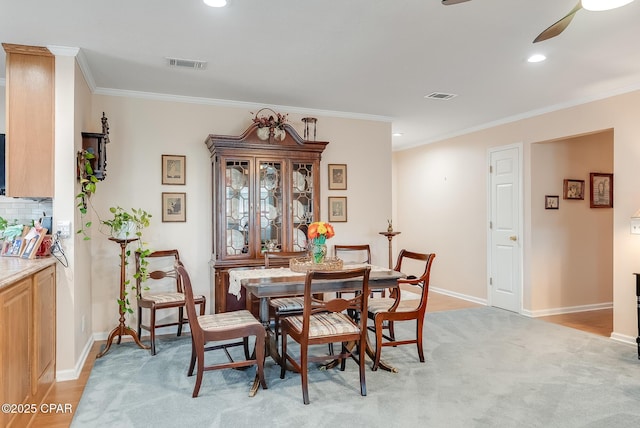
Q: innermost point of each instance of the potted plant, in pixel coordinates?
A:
(128, 225)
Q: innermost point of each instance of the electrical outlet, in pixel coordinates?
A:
(635, 225)
(64, 227)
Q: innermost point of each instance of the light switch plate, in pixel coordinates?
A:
(64, 227)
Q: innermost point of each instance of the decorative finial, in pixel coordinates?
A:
(390, 227)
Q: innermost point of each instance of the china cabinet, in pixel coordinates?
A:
(265, 194)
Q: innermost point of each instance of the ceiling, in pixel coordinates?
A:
(350, 58)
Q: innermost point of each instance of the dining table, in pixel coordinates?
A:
(267, 283)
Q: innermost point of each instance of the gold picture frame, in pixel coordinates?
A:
(174, 207)
(174, 169)
(337, 209)
(338, 176)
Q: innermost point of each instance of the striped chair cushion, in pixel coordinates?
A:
(226, 320)
(382, 305)
(287, 304)
(166, 297)
(325, 324)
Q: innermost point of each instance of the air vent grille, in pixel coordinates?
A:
(440, 96)
(187, 63)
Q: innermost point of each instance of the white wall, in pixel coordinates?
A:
(141, 130)
(571, 247)
(444, 184)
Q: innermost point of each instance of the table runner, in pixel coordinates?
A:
(237, 275)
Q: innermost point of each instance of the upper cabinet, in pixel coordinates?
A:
(30, 98)
(266, 191)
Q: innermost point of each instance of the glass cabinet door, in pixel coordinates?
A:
(236, 195)
(270, 192)
(302, 203)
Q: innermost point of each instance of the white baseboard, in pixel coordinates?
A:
(458, 295)
(567, 310)
(623, 338)
(73, 374)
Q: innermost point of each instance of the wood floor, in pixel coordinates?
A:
(597, 322)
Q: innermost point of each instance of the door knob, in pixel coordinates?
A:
(513, 237)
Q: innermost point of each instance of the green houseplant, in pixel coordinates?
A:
(128, 225)
(88, 181)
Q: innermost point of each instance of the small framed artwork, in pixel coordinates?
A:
(573, 189)
(174, 207)
(601, 194)
(337, 176)
(15, 248)
(551, 202)
(32, 241)
(174, 169)
(337, 209)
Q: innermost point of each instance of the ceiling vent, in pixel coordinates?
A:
(187, 63)
(440, 96)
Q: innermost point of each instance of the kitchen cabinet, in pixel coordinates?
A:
(27, 339)
(30, 126)
(266, 191)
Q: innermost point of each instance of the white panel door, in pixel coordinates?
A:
(505, 253)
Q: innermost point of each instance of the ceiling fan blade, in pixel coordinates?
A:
(559, 26)
(450, 2)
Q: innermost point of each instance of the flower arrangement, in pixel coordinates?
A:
(320, 231)
(270, 121)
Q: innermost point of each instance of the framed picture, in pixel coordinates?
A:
(337, 176)
(174, 169)
(174, 207)
(32, 241)
(551, 202)
(14, 248)
(337, 209)
(601, 195)
(573, 189)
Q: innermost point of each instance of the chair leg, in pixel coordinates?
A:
(376, 361)
(276, 325)
(392, 331)
(139, 321)
(361, 361)
(419, 327)
(343, 361)
(193, 358)
(152, 327)
(180, 319)
(200, 359)
(304, 373)
(283, 354)
(245, 345)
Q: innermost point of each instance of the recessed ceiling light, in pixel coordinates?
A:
(397, 134)
(536, 58)
(598, 5)
(215, 3)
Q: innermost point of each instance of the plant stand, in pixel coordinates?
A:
(390, 236)
(121, 329)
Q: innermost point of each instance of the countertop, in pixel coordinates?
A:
(13, 269)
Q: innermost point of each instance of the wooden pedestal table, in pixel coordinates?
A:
(121, 329)
(390, 236)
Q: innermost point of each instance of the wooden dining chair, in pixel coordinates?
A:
(354, 254)
(225, 326)
(393, 309)
(283, 306)
(325, 322)
(162, 290)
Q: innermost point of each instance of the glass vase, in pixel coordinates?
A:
(318, 252)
